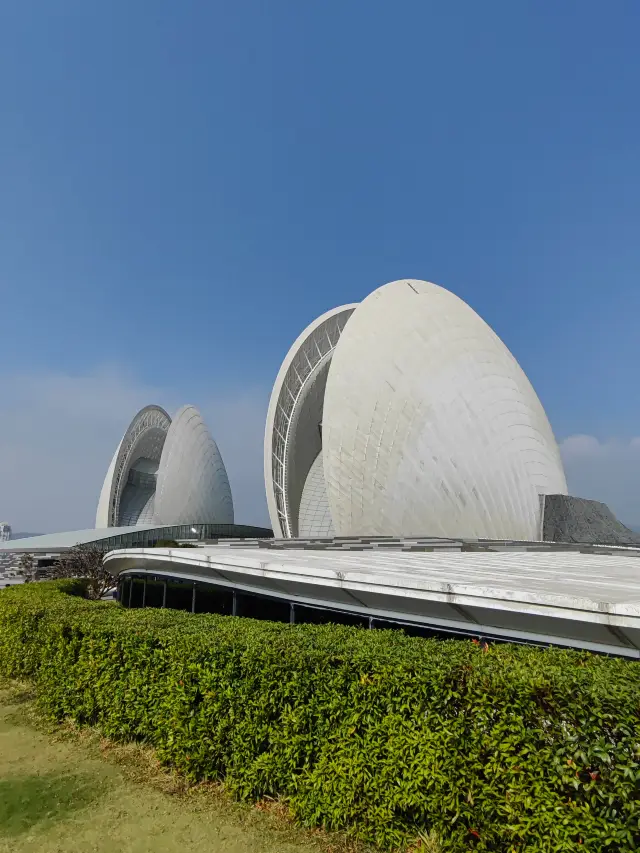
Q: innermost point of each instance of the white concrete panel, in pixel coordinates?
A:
(430, 427)
(192, 483)
(314, 519)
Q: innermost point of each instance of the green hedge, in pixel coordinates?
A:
(505, 749)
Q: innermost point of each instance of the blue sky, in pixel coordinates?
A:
(184, 186)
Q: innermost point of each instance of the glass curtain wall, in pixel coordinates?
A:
(183, 532)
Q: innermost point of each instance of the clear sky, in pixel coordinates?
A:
(184, 186)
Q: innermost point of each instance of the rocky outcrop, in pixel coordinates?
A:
(569, 519)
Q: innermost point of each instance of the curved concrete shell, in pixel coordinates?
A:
(165, 473)
(192, 483)
(293, 434)
(428, 426)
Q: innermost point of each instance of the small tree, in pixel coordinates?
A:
(27, 567)
(86, 562)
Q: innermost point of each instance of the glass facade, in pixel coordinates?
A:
(154, 593)
(262, 607)
(183, 532)
(320, 616)
(146, 590)
(136, 593)
(180, 594)
(213, 599)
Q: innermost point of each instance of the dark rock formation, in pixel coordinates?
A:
(569, 519)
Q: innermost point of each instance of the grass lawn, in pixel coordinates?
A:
(63, 791)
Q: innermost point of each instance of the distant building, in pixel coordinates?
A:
(166, 472)
(166, 481)
(5, 532)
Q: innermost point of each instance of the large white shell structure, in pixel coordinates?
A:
(165, 473)
(428, 427)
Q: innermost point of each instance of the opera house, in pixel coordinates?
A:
(164, 472)
(412, 479)
(166, 481)
(407, 414)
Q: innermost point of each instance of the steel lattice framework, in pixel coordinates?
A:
(148, 428)
(306, 358)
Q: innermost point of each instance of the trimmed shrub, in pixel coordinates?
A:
(504, 749)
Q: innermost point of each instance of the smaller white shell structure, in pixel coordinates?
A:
(165, 473)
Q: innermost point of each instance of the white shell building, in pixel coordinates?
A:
(406, 415)
(165, 472)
